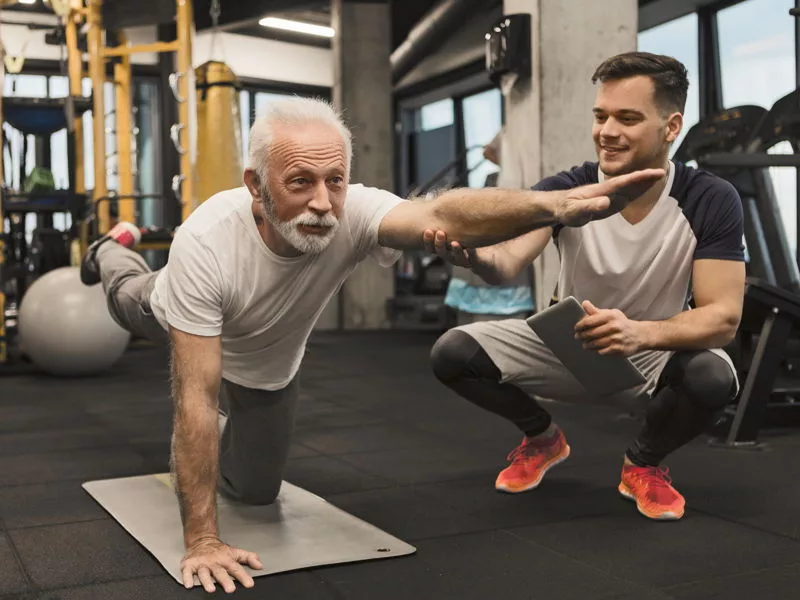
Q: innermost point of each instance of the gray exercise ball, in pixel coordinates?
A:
(65, 327)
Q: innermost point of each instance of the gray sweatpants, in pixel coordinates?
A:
(257, 431)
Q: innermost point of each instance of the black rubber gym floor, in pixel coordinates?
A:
(380, 438)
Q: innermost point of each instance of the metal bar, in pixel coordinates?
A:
(749, 161)
(124, 127)
(3, 341)
(797, 84)
(168, 113)
(783, 262)
(184, 29)
(752, 406)
(760, 262)
(75, 73)
(124, 50)
(97, 72)
(709, 66)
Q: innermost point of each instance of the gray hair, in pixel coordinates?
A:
(294, 112)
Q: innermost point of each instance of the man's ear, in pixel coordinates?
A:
(674, 126)
(253, 183)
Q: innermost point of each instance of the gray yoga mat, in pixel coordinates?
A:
(300, 530)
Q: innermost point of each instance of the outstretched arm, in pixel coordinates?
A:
(482, 217)
(495, 264)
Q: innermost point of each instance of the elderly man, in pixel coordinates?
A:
(249, 273)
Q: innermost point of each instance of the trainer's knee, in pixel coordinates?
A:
(457, 355)
(708, 380)
(450, 354)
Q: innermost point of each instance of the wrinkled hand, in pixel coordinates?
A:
(587, 203)
(608, 331)
(212, 560)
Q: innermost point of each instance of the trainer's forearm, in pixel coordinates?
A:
(482, 217)
(699, 329)
(195, 456)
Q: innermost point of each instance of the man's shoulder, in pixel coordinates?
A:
(692, 187)
(361, 191)
(216, 211)
(577, 176)
(363, 200)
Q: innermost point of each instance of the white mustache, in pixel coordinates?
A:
(316, 221)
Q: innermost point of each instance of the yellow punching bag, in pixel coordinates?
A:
(218, 164)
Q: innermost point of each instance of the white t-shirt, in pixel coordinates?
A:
(222, 279)
(645, 269)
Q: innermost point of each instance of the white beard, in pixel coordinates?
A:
(305, 243)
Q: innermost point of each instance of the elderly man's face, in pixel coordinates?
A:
(306, 185)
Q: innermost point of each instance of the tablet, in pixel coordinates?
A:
(602, 375)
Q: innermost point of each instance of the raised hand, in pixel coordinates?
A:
(587, 203)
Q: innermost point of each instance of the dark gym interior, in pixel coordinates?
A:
(376, 434)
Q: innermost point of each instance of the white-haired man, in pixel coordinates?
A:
(249, 273)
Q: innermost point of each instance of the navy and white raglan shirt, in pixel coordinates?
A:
(645, 269)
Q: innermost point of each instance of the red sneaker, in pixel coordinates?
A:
(125, 234)
(651, 489)
(530, 461)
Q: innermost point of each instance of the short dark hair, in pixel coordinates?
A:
(668, 74)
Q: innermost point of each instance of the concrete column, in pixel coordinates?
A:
(549, 118)
(363, 91)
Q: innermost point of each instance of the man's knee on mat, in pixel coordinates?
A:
(254, 493)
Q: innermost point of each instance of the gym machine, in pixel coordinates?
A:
(91, 33)
(734, 144)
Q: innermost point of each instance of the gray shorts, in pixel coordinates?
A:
(526, 362)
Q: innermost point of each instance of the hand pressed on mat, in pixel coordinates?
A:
(609, 331)
(213, 560)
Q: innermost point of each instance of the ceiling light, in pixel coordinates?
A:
(27, 1)
(297, 26)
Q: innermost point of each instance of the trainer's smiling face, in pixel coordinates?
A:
(630, 130)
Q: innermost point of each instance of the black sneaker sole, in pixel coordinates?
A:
(90, 271)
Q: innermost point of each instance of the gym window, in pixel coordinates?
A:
(678, 38)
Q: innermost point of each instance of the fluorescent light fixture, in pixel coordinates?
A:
(297, 26)
(27, 1)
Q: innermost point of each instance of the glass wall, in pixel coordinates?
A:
(756, 51)
(757, 62)
(451, 130)
(678, 39)
(483, 115)
(246, 118)
(147, 149)
(436, 115)
(146, 141)
(24, 86)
